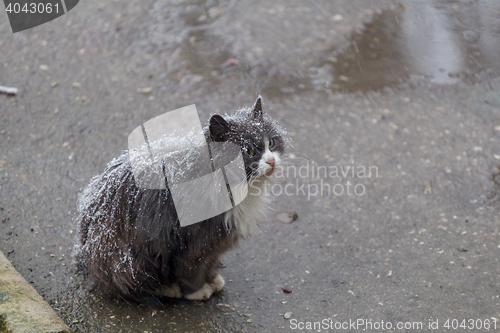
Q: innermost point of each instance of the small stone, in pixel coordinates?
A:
(337, 17)
(287, 315)
(145, 91)
(232, 62)
(287, 217)
(77, 84)
(427, 187)
(44, 67)
(470, 36)
(54, 84)
(224, 305)
(287, 290)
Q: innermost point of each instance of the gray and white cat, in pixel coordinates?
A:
(131, 241)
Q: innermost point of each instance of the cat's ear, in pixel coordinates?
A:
(219, 129)
(257, 108)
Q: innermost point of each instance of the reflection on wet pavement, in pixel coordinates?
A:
(443, 42)
(435, 40)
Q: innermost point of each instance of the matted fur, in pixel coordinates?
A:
(131, 241)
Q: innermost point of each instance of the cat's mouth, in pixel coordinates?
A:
(270, 172)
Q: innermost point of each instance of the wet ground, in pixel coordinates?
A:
(408, 88)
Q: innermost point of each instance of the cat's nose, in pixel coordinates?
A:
(271, 161)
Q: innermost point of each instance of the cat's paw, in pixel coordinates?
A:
(218, 283)
(173, 291)
(201, 294)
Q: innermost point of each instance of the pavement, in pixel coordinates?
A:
(357, 84)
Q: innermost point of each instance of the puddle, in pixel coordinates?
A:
(444, 42)
(439, 41)
(493, 198)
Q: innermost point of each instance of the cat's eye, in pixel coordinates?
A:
(249, 152)
(271, 143)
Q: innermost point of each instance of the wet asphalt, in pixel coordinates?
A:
(406, 89)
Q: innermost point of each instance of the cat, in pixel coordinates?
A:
(130, 239)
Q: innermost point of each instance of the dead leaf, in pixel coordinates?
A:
(287, 217)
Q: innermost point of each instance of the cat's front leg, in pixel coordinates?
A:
(172, 291)
(218, 283)
(207, 289)
(201, 294)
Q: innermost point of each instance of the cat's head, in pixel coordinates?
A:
(262, 140)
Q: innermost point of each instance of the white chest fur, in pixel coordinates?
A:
(252, 209)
